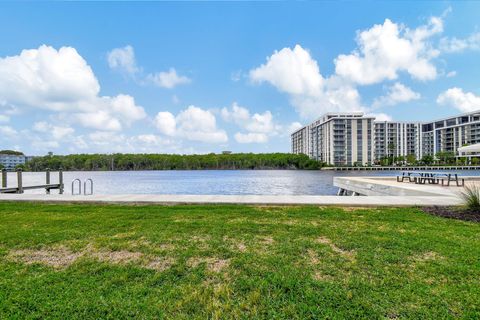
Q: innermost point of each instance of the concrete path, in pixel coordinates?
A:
(347, 201)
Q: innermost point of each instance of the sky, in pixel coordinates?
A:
(200, 77)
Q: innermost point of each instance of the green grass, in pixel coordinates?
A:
(223, 262)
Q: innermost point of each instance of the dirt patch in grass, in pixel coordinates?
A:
(241, 247)
(267, 240)
(60, 257)
(235, 244)
(454, 213)
(345, 253)
(160, 264)
(312, 257)
(118, 257)
(427, 256)
(314, 260)
(213, 264)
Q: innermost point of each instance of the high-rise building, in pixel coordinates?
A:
(337, 138)
(448, 134)
(397, 139)
(353, 138)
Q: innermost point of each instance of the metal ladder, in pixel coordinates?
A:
(78, 182)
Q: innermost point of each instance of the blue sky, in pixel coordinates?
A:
(205, 77)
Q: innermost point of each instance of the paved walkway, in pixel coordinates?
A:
(378, 191)
(388, 186)
(347, 201)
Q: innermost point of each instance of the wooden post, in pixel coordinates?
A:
(60, 181)
(4, 178)
(19, 181)
(47, 180)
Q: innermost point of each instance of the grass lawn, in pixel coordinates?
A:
(186, 262)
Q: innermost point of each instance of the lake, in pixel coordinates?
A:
(209, 182)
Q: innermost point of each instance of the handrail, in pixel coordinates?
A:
(79, 187)
(85, 187)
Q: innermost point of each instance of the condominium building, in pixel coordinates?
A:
(337, 138)
(10, 161)
(353, 138)
(301, 141)
(449, 134)
(397, 139)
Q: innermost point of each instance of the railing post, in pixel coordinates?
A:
(19, 181)
(4, 178)
(60, 180)
(47, 180)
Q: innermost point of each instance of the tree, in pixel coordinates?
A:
(11, 152)
(445, 157)
(411, 159)
(99, 162)
(391, 151)
(427, 159)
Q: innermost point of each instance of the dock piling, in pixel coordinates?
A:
(60, 181)
(47, 180)
(4, 178)
(19, 181)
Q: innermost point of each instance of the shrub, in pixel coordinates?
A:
(471, 197)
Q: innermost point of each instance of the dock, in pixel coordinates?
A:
(20, 187)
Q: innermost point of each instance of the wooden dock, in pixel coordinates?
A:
(20, 188)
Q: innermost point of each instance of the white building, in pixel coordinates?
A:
(353, 138)
(398, 139)
(337, 138)
(10, 161)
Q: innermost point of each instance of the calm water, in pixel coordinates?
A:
(273, 182)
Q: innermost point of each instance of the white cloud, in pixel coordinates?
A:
(100, 120)
(47, 78)
(253, 123)
(168, 79)
(387, 49)
(56, 132)
(294, 126)
(259, 126)
(397, 93)
(193, 123)
(382, 53)
(380, 116)
(236, 76)
(124, 107)
(457, 98)
(291, 71)
(4, 118)
(199, 125)
(237, 114)
(166, 123)
(123, 59)
(61, 81)
(251, 137)
(454, 45)
(296, 73)
(7, 131)
(451, 74)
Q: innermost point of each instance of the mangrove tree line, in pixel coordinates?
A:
(103, 162)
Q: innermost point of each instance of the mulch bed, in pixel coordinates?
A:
(454, 213)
